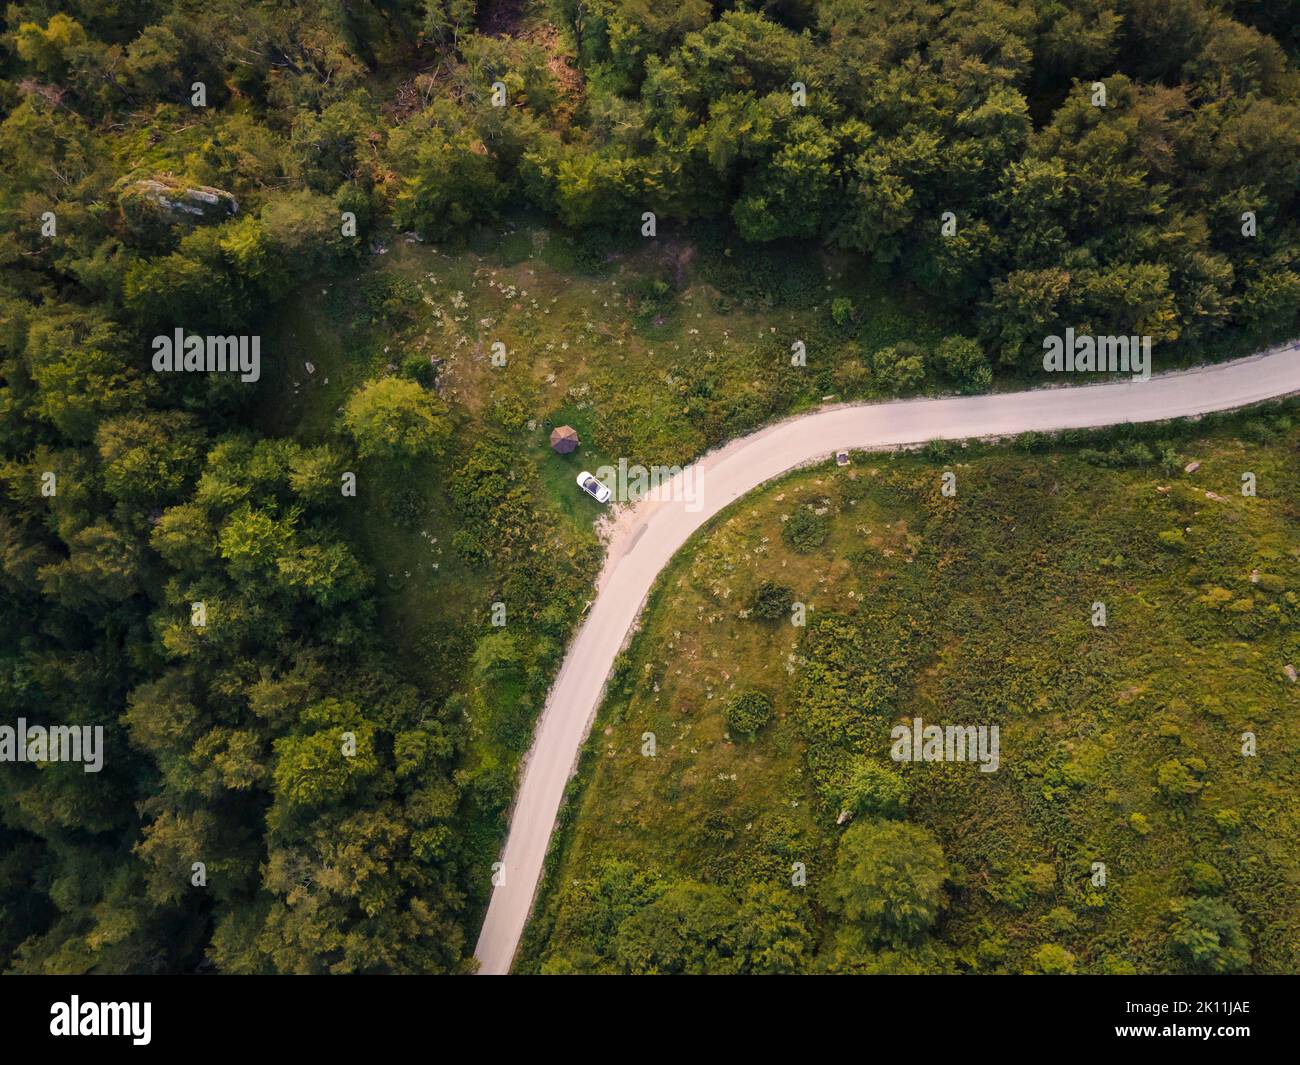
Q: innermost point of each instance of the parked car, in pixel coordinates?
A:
(594, 488)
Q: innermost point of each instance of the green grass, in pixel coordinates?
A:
(969, 610)
(657, 389)
(714, 363)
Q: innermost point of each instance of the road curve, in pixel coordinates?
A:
(645, 536)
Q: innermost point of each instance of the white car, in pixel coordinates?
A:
(594, 488)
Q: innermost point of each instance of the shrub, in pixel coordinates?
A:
(419, 369)
(805, 531)
(877, 789)
(1172, 538)
(748, 712)
(1180, 779)
(963, 360)
(771, 601)
(888, 878)
(1204, 878)
(392, 417)
(1228, 822)
(1053, 960)
(899, 368)
(849, 374)
(468, 547)
(1041, 877)
(655, 299)
(1206, 933)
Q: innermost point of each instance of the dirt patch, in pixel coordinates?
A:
(559, 63)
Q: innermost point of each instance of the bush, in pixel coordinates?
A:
(877, 789)
(748, 712)
(468, 547)
(1228, 822)
(391, 417)
(899, 368)
(849, 374)
(1204, 878)
(888, 879)
(1041, 877)
(771, 601)
(1180, 779)
(419, 369)
(963, 360)
(1053, 960)
(805, 531)
(1206, 933)
(655, 299)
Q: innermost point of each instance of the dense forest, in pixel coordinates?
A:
(195, 585)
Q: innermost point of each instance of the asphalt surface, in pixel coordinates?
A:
(643, 537)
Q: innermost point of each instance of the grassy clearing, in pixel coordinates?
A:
(579, 352)
(652, 353)
(1120, 745)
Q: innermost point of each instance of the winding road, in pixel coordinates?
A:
(645, 536)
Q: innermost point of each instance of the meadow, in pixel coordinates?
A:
(1123, 790)
(656, 375)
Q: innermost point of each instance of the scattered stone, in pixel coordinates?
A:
(844, 816)
(1290, 673)
(311, 367)
(1191, 467)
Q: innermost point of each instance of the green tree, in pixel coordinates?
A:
(962, 359)
(900, 367)
(452, 182)
(1206, 933)
(149, 458)
(391, 417)
(888, 878)
(690, 929)
(82, 372)
(1053, 960)
(313, 768)
(774, 930)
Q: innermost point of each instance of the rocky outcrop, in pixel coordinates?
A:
(160, 202)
